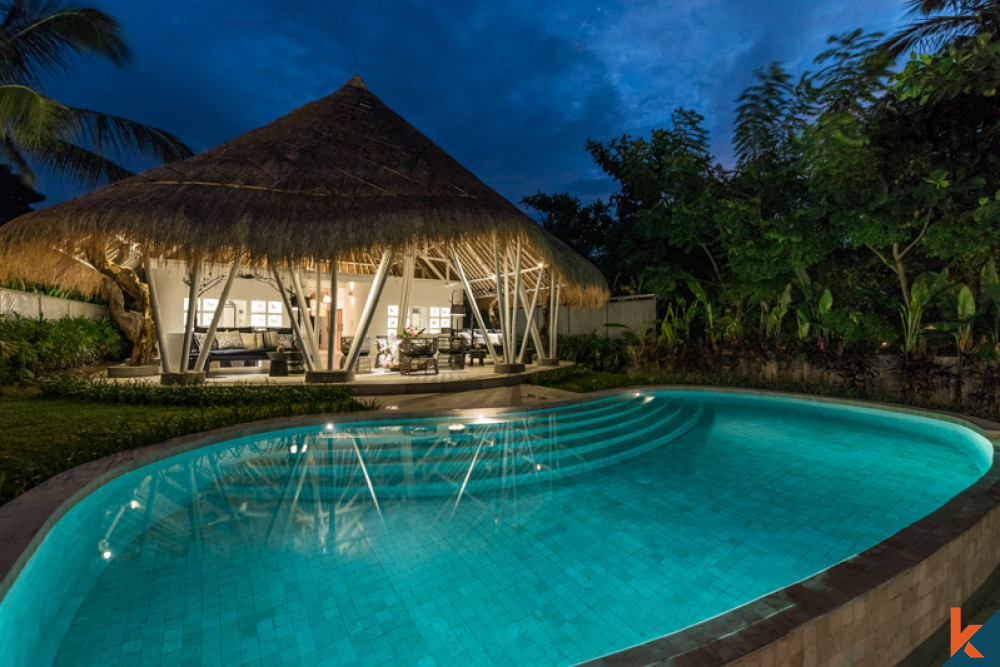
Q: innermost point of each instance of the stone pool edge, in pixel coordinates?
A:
(877, 607)
(873, 608)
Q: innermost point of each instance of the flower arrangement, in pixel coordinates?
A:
(410, 332)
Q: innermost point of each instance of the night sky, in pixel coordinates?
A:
(512, 89)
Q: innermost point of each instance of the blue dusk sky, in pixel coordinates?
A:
(511, 89)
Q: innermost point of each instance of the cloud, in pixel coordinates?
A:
(511, 89)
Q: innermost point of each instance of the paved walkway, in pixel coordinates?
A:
(498, 397)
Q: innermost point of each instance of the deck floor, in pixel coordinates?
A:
(384, 382)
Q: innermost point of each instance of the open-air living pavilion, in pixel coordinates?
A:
(340, 201)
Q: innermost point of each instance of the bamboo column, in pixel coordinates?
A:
(154, 302)
(472, 304)
(206, 346)
(409, 266)
(305, 322)
(331, 312)
(306, 352)
(366, 315)
(501, 304)
(531, 319)
(317, 287)
(513, 305)
(195, 277)
(554, 333)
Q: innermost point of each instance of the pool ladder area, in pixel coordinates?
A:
(442, 457)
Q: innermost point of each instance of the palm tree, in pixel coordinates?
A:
(946, 21)
(42, 37)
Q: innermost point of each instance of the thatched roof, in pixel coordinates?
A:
(343, 176)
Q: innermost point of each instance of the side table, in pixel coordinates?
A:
(285, 363)
(477, 353)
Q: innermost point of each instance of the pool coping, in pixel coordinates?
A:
(739, 634)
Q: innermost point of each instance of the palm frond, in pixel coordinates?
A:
(13, 156)
(120, 134)
(84, 166)
(931, 32)
(40, 36)
(32, 118)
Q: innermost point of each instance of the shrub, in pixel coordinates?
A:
(599, 353)
(29, 347)
(263, 400)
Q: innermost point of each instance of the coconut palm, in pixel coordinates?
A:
(946, 21)
(43, 37)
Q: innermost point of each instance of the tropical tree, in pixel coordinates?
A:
(945, 21)
(42, 37)
(16, 197)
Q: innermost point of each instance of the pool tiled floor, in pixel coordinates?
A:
(548, 573)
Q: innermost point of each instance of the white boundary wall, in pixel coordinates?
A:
(628, 310)
(40, 306)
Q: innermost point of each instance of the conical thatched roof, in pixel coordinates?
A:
(343, 176)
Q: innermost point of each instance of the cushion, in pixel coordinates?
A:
(199, 340)
(249, 340)
(286, 340)
(495, 339)
(466, 336)
(229, 340)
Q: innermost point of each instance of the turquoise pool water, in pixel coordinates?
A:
(543, 537)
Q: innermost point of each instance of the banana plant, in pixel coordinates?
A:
(676, 325)
(774, 317)
(964, 309)
(926, 288)
(989, 295)
(702, 297)
(818, 316)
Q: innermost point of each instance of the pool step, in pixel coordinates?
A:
(503, 455)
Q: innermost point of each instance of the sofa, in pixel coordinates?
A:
(474, 338)
(242, 344)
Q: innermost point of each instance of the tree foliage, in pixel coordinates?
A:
(44, 37)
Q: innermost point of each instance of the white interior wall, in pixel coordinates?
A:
(352, 293)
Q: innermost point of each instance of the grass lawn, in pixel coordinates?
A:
(42, 435)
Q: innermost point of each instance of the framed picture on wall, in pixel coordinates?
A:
(274, 308)
(435, 312)
(446, 312)
(393, 323)
(258, 307)
(435, 322)
(274, 321)
(258, 320)
(393, 311)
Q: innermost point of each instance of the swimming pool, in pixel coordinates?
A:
(541, 537)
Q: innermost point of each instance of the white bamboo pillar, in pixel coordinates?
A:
(513, 304)
(501, 304)
(206, 346)
(553, 306)
(195, 277)
(304, 321)
(472, 304)
(306, 352)
(331, 312)
(534, 325)
(316, 301)
(530, 312)
(366, 315)
(154, 302)
(554, 340)
(409, 266)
